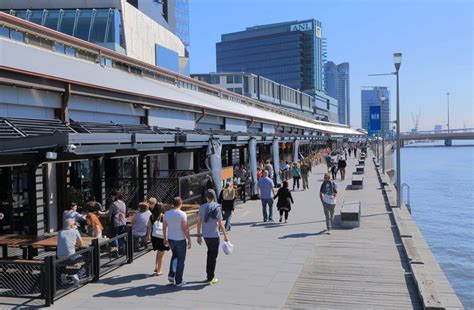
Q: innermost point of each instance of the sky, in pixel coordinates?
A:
(435, 37)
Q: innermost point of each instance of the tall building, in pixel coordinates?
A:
(136, 28)
(290, 53)
(371, 96)
(336, 82)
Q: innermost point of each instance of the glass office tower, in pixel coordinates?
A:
(370, 96)
(336, 83)
(289, 53)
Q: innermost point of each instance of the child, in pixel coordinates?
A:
(284, 201)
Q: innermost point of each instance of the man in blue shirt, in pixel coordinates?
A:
(265, 190)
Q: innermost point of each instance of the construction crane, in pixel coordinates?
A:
(416, 121)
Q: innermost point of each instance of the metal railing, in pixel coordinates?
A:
(23, 279)
(406, 201)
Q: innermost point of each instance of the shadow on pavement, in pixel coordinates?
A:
(125, 279)
(254, 223)
(277, 224)
(302, 235)
(152, 290)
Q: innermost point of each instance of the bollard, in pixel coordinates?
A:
(95, 260)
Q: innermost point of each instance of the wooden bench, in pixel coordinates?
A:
(359, 169)
(350, 214)
(357, 182)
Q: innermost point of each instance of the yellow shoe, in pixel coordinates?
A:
(213, 281)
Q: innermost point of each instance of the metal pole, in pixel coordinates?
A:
(399, 189)
(448, 110)
(383, 150)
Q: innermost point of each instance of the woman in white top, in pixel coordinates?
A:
(155, 234)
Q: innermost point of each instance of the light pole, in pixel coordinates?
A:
(397, 60)
(382, 101)
(447, 94)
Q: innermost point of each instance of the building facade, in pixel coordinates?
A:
(319, 107)
(371, 96)
(114, 24)
(336, 81)
(290, 53)
(78, 119)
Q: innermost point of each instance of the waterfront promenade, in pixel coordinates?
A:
(294, 265)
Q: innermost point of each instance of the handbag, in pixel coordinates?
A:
(158, 229)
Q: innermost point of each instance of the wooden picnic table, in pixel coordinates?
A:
(52, 242)
(19, 241)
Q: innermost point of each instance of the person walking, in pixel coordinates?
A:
(265, 188)
(349, 150)
(341, 166)
(176, 236)
(327, 194)
(328, 161)
(118, 216)
(209, 222)
(333, 169)
(155, 234)
(305, 169)
(296, 175)
(355, 151)
(227, 199)
(284, 201)
(269, 168)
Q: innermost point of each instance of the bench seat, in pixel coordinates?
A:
(350, 214)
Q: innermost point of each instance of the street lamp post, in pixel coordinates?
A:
(447, 94)
(382, 101)
(397, 60)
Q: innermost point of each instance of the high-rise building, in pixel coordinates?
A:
(371, 96)
(336, 82)
(136, 28)
(290, 53)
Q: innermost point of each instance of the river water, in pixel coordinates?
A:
(441, 180)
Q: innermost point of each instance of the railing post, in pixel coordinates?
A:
(95, 260)
(129, 246)
(48, 281)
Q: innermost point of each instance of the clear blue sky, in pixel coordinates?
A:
(435, 37)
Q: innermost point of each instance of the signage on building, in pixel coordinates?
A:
(302, 27)
(375, 119)
(317, 32)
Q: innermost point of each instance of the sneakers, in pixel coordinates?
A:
(75, 279)
(280, 219)
(171, 280)
(213, 281)
(181, 284)
(328, 232)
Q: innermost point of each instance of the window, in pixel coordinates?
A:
(83, 25)
(237, 79)
(238, 90)
(67, 21)
(215, 79)
(70, 51)
(230, 79)
(17, 35)
(59, 48)
(4, 32)
(99, 27)
(52, 19)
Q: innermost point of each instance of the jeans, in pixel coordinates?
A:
(268, 201)
(227, 214)
(305, 181)
(178, 248)
(296, 181)
(118, 231)
(343, 173)
(212, 252)
(329, 213)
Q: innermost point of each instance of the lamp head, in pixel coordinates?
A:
(397, 60)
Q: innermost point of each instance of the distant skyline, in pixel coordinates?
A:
(435, 37)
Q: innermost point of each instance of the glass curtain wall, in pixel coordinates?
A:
(98, 26)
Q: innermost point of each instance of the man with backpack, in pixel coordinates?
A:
(327, 194)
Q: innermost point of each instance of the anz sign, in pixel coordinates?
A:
(302, 27)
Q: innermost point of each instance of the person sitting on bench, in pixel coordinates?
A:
(68, 239)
